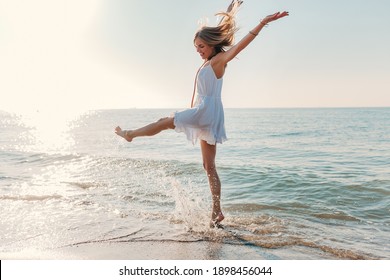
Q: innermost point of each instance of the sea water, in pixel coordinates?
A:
(296, 183)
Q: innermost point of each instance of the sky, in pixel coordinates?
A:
(68, 55)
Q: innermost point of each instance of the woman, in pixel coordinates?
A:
(205, 119)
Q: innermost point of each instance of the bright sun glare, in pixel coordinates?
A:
(45, 56)
(49, 131)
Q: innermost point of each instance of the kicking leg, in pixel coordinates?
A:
(148, 130)
(208, 153)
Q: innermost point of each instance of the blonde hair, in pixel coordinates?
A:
(221, 36)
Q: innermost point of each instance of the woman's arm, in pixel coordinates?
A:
(229, 9)
(225, 57)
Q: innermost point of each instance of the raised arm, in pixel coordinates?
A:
(244, 42)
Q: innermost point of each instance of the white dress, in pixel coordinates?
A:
(205, 120)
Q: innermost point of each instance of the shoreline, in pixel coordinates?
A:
(166, 250)
(139, 250)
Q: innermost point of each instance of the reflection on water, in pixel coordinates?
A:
(48, 131)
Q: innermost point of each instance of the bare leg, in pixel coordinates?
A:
(148, 130)
(208, 153)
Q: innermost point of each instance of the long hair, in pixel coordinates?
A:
(221, 36)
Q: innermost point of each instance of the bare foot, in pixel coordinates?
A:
(123, 133)
(216, 221)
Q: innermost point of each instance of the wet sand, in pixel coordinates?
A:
(164, 250)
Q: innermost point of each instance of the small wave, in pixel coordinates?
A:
(6, 178)
(121, 238)
(376, 186)
(37, 159)
(276, 243)
(270, 240)
(30, 197)
(336, 216)
(288, 134)
(83, 185)
(250, 207)
(85, 203)
(270, 233)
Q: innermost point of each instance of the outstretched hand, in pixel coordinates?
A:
(232, 5)
(274, 17)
